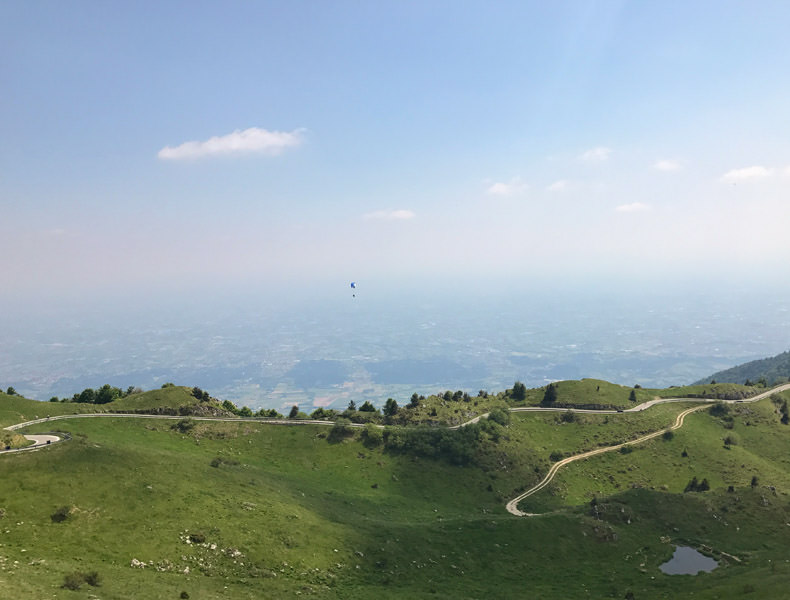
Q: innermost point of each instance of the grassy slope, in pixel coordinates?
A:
(426, 530)
(16, 409)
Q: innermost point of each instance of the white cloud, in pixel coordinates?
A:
(514, 186)
(558, 186)
(597, 154)
(666, 165)
(250, 140)
(787, 170)
(633, 207)
(747, 173)
(390, 215)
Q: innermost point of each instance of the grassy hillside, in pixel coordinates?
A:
(16, 409)
(260, 511)
(773, 370)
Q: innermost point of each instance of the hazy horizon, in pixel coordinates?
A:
(183, 167)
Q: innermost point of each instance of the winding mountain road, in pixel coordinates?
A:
(43, 440)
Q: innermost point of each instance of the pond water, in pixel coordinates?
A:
(687, 561)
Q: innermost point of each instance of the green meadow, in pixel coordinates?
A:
(254, 510)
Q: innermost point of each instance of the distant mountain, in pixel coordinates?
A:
(774, 370)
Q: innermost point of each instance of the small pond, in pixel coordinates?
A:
(687, 561)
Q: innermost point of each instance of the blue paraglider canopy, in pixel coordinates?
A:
(353, 285)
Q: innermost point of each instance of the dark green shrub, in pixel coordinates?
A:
(372, 436)
(626, 449)
(719, 409)
(668, 435)
(92, 579)
(500, 416)
(340, 430)
(183, 426)
(61, 514)
(568, 416)
(73, 581)
(197, 537)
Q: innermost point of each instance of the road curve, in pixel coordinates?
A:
(512, 506)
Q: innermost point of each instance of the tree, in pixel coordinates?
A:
(10, 391)
(519, 392)
(245, 411)
(294, 411)
(755, 481)
(352, 405)
(415, 401)
(229, 406)
(367, 407)
(107, 393)
(632, 396)
(550, 395)
(390, 408)
(87, 396)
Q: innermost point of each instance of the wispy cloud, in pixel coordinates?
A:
(247, 141)
(390, 215)
(747, 173)
(558, 186)
(514, 186)
(666, 165)
(633, 207)
(597, 154)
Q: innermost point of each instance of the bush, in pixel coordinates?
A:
(197, 537)
(697, 486)
(92, 579)
(61, 514)
(499, 415)
(372, 436)
(73, 581)
(556, 456)
(568, 416)
(183, 426)
(668, 435)
(340, 430)
(626, 449)
(719, 409)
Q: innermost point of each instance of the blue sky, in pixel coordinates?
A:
(161, 145)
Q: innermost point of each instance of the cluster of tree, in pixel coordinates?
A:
(103, 395)
(457, 446)
(697, 486)
(201, 395)
(11, 391)
(368, 413)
